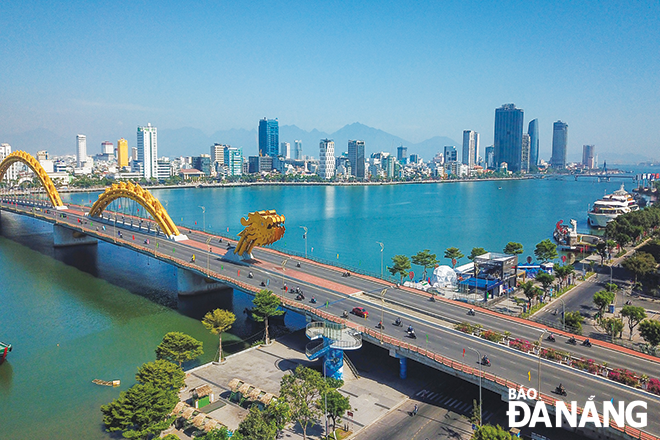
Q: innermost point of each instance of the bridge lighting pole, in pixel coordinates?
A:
(382, 312)
(203, 218)
(480, 374)
(563, 314)
(382, 247)
(538, 389)
(283, 264)
(208, 259)
(305, 237)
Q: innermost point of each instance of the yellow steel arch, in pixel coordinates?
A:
(141, 196)
(35, 166)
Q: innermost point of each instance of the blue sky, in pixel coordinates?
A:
(413, 69)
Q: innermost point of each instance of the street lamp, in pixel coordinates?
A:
(203, 218)
(382, 312)
(283, 264)
(563, 314)
(305, 237)
(538, 389)
(382, 247)
(480, 374)
(325, 377)
(208, 259)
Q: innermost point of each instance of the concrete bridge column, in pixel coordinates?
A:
(191, 283)
(334, 363)
(63, 236)
(403, 367)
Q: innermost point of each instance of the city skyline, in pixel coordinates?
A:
(591, 65)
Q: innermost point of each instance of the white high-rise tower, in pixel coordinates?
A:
(147, 150)
(470, 147)
(327, 159)
(11, 174)
(81, 150)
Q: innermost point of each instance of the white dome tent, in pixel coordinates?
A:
(443, 277)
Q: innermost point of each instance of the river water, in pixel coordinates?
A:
(74, 315)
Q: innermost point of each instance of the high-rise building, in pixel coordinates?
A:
(524, 154)
(533, 131)
(508, 136)
(490, 157)
(234, 161)
(451, 154)
(122, 153)
(81, 150)
(389, 166)
(588, 156)
(42, 155)
(559, 143)
(285, 150)
(297, 150)
(356, 158)
(401, 153)
(218, 154)
(134, 153)
(147, 150)
(107, 148)
(470, 147)
(326, 159)
(11, 173)
(269, 137)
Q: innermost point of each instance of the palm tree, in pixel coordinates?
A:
(218, 321)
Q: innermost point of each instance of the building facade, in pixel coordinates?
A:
(326, 159)
(234, 161)
(508, 136)
(147, 150)
(218, 154)
(450, 153)
(269, 137)
(524, 154)
(356, 158)
(588, 156)
(202, 163)
(470, 148)
(122, 153)
(402, 153)
(559, 144)
(285, 150)
(533, 132)
(297, 150)
(12, 173)
(489, 152)
(81, 150)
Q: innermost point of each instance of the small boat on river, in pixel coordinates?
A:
(4, 350)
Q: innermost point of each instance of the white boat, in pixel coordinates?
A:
(610, 207)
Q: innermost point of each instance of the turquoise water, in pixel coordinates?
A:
(79, 314)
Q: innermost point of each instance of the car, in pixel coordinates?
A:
(360, 311)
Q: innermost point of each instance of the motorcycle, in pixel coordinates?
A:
(551, 338)
(572, 341)
(471, 312)
(485, 361)
(313, 301)
(344, 315)
(300, 297)
(398, 323)
(379, 325)
(262, 284)
(586, 343)
(250, 275)
(561, 391)
(412, 335)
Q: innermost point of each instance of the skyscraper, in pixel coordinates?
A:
(356, 158)
(559, 143)
(490, 157)
(147, 149)
(326, 159)
(234, 160)
(508, 136)
(470, 147)
(401, 153)
(269, 137)
(297, 150)
(524, 154)
(533, 131)
(588, 156)
(218, 154)
(81, 150)
(451, 155)
(285, 150)
(122, 153)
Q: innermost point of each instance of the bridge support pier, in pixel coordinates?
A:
(333, 362)
(63, 236)
(403, 366)
(191, 283)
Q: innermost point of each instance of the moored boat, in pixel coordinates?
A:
(4, 349)
(610, 207)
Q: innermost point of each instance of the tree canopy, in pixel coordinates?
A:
(513, 248)
(453, 254)
(635, 315)
(266, 304)
(574, 321)
(546, 280)
(602, 299)
(179, 347)
(217, 322)
(425, 259)
(255, 426)
(489, 432)
(612, 326)
(302, 390)
(161, 374)
(546, 250)
(650, 331)
(400, 266)
(640, 264)
(338, 404)
(476, 252)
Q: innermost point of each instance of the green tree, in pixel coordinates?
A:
(612, 326)
(302, 390)
(601, 249)
(425, 259)
(475, 417)
(140, 412)
(635, 315)
(529, 290)
(400, 266)
(574, 321)
(453, 254)
(338, 404)
(255, 426)
(217, 322)
(513, 248)
(602, 299)
(476, 252)
(563, 272)
(546, 250)
(640, 264)
(278, 413)
(266, 304)
(215, 434)
(179, 347)
(546, 281)
(650, 331)
(489, 432)
(161, 374)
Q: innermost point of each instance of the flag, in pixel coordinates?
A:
(463, 352)
(156, 245)
(173, 250)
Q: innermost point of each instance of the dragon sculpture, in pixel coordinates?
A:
(261, 228)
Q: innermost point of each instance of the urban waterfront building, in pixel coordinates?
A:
(326, 159)
(81, 150)
(508, 136)
(108, 148)
(269, 137)
(524, 154)
(134, 153)
(490, 157)
(258, 164)
(389, 166)
(356, 158)
(402, 154)
(297, 150)
(164, 170)
(559, 143)
(415, 159)
(533, 131)
(41, 154)
(147, 150)
(234, 161)
(470, 147)
(285, 150)
(12, 173)
(451, 154)
(202, 163)
(588, 156)
(122, 153)
(218, 154)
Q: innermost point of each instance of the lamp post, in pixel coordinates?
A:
(283, 264)
(203, 218)
(563, 314)
(538, 389)
(382, 247)
(610, 286)
(382, 312)
(208, 259)
(305, 237)
(480, 374)
(325, 377)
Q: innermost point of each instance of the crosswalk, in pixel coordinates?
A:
(449, 402)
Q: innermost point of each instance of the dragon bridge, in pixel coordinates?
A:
(141, 196)
(35, 166)
(261, 228)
